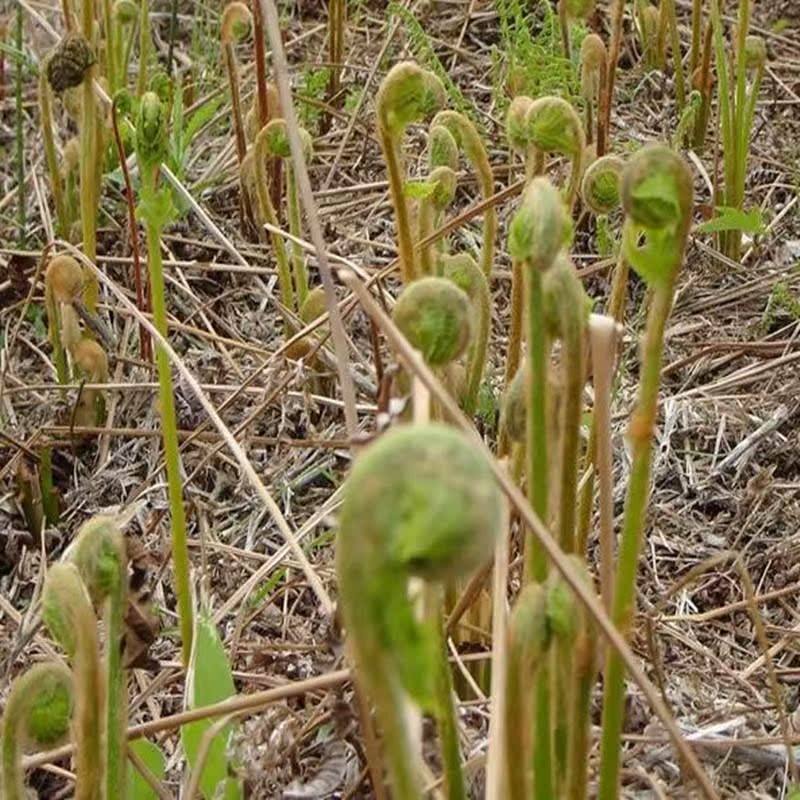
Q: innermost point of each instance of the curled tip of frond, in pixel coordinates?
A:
(463, 270)
(314, 306)
(251, 119)
(540, 228)
(567, 306)
(276, 139)
(99, 554)
(434, 315)
(65, 605)
(408, 94)
(528, 627)
(126, 11)
(237, 22)
(423, 499)
(564, 610)
(657, 190)
(445, 182)
(151, 130)
(442, 148)
(91, 360)
(755, 51)
(555, 127)
(578, 9)
(601, 184)
(64, 278)
(69, 62)
(515, 406)
(594, 58)
(39, 707)
(517, 124)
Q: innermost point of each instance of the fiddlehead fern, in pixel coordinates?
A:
(99, 554)
(264, 143)
(594, 65)
(63, 282)
(91, 364)
(555, 127)
(67, 612)
(37, 714)
(443, 183)
(657, 195)
(407, 94)
(154, 208)
(469, 140)
(468, 276)
(277, 145)
(434, 315)
(236, 26)
(519, 137)
(601, 185)
(420, 502)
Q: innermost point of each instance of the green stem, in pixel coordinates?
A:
(536, 560)
(697, 35)
(668, 10)
(117, 700)
(111, 47)
(519, 712)
(580, 719)
(144, 47)
(180, 549)
(20, 128)
(268, 215)
(51, 158)
(640, 436)
(563, 19)
(446, 719)
(295, 228)
(535, 557)
(89, 169)
(409, 269)
(477, 353)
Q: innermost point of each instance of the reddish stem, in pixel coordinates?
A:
(142, 299)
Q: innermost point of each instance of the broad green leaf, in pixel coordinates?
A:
(209, 681)
(731, 219)
(154, 760)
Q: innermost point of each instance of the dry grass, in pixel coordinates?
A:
(727, 378)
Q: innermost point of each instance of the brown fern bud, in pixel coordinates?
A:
(68, 63)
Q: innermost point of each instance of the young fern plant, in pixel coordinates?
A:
(90, 364)
(155, 209)
(37, 715)
(440, 192)
(63, 285)
(100, 557)
(236, 26)
(465, 273)
(593, 68)
(73, 64)
(435, 315)
(276, 141)
(68, 615)
(262, 150)
(421, 502)
(555, 127)
(657, 195)
(648, 22)
(569, 11)
(407, 94)
(469, 140)
(738, 97)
